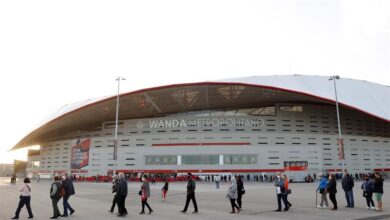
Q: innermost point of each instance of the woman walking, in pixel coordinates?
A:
(240, 191)
(232, 196)
(145, 194)
(56, 192)
(114, 189)
(165, 190)
(331, 188)
(367, 192)
(25, 198)
(378, 190)
(287, 190)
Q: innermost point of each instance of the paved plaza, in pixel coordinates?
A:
(92, 201)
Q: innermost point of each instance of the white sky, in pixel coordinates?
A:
(57, 52)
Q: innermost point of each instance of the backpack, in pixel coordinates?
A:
(61, 192)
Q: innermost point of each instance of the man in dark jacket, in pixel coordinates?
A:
(190, 194)
(121, 195)
(348, 184)
(69, 191)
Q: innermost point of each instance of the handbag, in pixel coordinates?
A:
(322, 191)
(288, 191)
(140, 193)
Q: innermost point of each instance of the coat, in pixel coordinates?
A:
(68, 187)
(122, 188)
(232, 191)
(145, 187)
(191, 185)
(331, 188)
(347, 183)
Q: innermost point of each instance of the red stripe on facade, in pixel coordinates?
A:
(202, 144)
(203, 171)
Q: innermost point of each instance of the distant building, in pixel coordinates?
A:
(20, 168)
(6, 170)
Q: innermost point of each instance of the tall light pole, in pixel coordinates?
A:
(340, 138)
(115, 156)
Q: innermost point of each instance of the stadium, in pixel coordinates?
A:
(254, 125)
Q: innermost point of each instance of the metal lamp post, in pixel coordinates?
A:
(340, 138)
(115, 156)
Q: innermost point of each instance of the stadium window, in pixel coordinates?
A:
(291, 108)
(210, 159)
(240, 159)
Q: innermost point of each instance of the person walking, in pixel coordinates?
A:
(280, 191)
(145, 194)
(331, 188)
(115, 182)
(25, 199)
(378, 190)
(232, 195)
(240, 191)
(191, 185)
(367, 186)
(56, 192)
(287, 190)
(164, 190)
(121, 194)
(69, 191)
(322, 190)
(348, 184)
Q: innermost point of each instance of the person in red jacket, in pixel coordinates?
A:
(286, 180)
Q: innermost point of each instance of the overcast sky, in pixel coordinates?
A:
(57, 52)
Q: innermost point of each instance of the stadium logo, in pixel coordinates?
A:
(202, 122)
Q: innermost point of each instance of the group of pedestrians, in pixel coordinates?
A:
(371, 186)
(282, 191)
(62, 187)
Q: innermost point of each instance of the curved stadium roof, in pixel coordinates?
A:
(369, 98)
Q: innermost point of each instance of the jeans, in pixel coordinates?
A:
(239, 201)
(24, 200)
(234, 205)
(349, 198)
(332, 197)
(114, 201)
(121, 205)
(280, 197)
(369, 200)
(67, 205)
(54, 202)
(145, 202)
(191, 196)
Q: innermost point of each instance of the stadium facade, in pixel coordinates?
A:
(250, 125)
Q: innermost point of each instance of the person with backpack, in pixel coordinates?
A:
(69, 191)
(164, 190)
(322, 190)
(56, 192)
(25, 198)
(280, 191)
(367, 186)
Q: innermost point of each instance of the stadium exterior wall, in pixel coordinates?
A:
(297, 137)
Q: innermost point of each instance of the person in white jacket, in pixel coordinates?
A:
(232, 196)
(25, 198)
